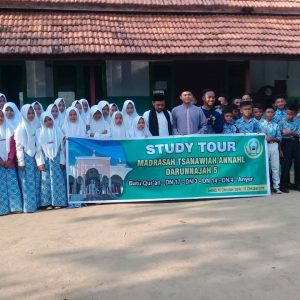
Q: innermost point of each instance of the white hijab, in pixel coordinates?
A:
(41, 106)
(128, 119)
(50, 139)
(102, 104)
(85, 114)
(62, 115)
(136, 133)
(100, 125)
(5, 136)
(26, 131)
(16, 119)
(76, 129)
(58, 121)
(111, 105)
(3, 96)
(117, 131)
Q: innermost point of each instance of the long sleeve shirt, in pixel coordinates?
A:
(188, 119)
(214, 119)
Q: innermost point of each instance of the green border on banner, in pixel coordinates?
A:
(172, 168)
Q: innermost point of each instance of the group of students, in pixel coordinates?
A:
(32, 141)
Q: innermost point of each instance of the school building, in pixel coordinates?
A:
(124, 49)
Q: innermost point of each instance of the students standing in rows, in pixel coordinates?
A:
(158, 119)
(188, 118)
(25, 137)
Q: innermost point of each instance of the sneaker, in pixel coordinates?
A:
(285, 190)
(277, 191)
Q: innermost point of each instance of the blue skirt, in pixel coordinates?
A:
(53, 187)
(10, 195)
(30, 184)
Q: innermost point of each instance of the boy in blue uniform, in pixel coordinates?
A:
(229, 127)
(273, 137)
(290, 130)
(247, 124)
(279, 115)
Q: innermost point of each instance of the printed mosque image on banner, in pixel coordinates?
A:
(96, 178)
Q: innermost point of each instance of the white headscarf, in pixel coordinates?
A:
(3, 96)
(85, 114)
(57, 120)
(102, 104)
(97, 127)
(16, 119)
(117, 131)
(136, 133)
(50, 139)
(41, 106)
(62, 115)
(111, 105)
(128, 119)
(5, 136)
(76, 129)
(25, 134)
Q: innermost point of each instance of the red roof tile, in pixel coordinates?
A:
(69, 33)
(291, 6)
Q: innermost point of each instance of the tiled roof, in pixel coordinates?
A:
(69, 33)
(236, 5)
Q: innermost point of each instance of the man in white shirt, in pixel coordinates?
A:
(158, 119)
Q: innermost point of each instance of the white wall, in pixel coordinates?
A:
(266, 72)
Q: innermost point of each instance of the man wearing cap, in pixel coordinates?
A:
(158, 119)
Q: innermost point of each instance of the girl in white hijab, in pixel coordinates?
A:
(25, 137)
(51, 161)
(129, 113)
(12, 115)
(104, 106)
(53, 109)
(61, 104)
(113, 107)
(86, 111)
(139, 128)
(73, 125)
(3, 100)
(38, 108)
(78, 105)
(99, 128)
(117, 126)
(10, 195)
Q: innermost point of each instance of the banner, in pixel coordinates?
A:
(173, 168)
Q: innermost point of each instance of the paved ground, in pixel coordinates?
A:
(225, 249)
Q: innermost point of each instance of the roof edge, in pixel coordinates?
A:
(131, 8)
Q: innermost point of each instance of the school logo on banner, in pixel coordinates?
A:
(254, 148)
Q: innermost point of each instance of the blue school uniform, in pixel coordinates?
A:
(230, 128)
(250, 126)
(53, 187)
